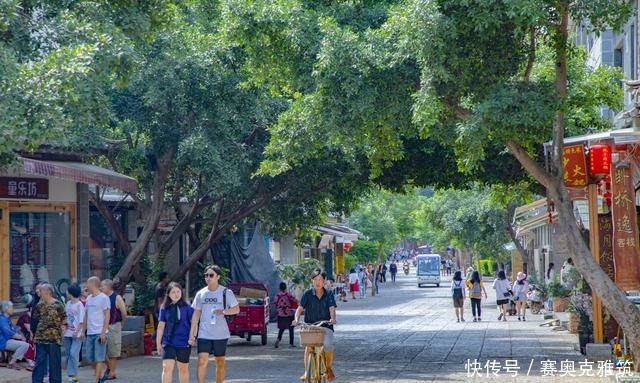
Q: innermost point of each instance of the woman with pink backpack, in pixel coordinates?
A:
(286, 304)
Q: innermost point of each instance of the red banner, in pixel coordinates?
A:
(625, 229)
(575, 166)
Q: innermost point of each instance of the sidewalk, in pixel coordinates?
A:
(403, 335)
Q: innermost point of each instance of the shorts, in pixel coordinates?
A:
(458, 303)
(114, 340)
(354, 288)
(215, 347)
(96, 351)
(181, 354)
(501, 302)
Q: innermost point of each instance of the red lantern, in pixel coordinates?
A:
(347, 246)
(599, 160)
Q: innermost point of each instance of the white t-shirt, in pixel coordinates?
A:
(75, 317)
(207, 301)
(95, 313)
(353, 278)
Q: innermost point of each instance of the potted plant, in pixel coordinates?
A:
(581, 306)
(560, 295)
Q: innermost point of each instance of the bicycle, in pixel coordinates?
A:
(312, 335)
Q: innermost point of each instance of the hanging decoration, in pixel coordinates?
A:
(599, 160)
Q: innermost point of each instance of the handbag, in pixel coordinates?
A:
(228, 318)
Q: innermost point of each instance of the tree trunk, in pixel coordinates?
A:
(153, 218)
(613, 299)
(512, 233)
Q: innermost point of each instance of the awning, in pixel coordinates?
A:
(80, 172)
(339, 231)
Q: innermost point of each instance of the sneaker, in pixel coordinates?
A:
(504, 319)
(73, 379)
(475, 320)
(524, 319)
(462, 320)
(479, 319)
(14, 366)
(458, 320)
(292, 346)
(500, 316)
(519, 318)
(277, 343)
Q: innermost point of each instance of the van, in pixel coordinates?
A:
(428, 269)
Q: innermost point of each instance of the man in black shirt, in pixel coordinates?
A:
(319, 305)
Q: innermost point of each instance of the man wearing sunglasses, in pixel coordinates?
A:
(209, 325)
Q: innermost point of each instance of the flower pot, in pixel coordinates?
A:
(574, 323)
(560, 304)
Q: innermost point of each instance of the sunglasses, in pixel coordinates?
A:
(209, 275)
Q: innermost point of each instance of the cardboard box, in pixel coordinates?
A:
(246, 292)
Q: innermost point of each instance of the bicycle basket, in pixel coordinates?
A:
(312, 336)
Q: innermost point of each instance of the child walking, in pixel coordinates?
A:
(73, 331)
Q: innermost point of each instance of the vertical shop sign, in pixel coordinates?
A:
(605, 226)
(625, 229)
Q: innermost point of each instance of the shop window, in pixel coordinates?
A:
(39, 250)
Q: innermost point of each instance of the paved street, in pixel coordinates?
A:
(405, 335)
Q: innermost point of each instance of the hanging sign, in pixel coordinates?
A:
(24, 188)
(575, 166)
(625, 229)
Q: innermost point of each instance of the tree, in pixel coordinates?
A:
(57, 58)
(474, 76)
(193, 134)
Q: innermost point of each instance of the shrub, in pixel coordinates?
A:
(488, 267)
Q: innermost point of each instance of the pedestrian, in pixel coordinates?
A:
(377, 279)
(449, 265)
(503, 292)
(566, 278)
(12, 340)
(363, 280)
(117, 317)
(393, 268)
(24, 322)
(384, 272)
(48, 336)
(548, 279)
(457, 292)
(172, 340)
(285, 307)
(520, 289)
(476, 288)
(209, 325)
(353, 283)
(318, 305)
(75, 326)
(96, 318)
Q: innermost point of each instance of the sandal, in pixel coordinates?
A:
(14, 366)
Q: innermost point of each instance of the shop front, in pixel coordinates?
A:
(40, 210)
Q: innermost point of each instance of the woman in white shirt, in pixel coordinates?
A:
(503, 293)
(353, 283)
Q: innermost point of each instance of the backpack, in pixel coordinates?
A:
(284, 304)
(476, 291)
(457, 290)
(229, 318)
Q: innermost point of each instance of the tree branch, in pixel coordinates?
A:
(529, 164)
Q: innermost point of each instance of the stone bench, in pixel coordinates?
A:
(132, 336)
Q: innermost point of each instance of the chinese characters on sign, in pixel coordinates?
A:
(575, 166)
(605, 224)
(550, 368)
(625, 229)
(24, 188)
